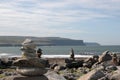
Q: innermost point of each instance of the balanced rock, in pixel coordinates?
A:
(30, 71)
(29, 64)
(28, 48)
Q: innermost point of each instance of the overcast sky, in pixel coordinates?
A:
(89, 20)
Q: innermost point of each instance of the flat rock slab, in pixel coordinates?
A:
(48, 76)
(19, 77)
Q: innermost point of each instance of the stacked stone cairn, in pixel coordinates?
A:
(71, 62)
(29, 64)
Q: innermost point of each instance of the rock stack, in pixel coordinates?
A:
(29, 64)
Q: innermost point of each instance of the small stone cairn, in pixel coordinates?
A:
(29, 64)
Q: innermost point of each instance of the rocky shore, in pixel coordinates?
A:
(102, 69)
(29, 67)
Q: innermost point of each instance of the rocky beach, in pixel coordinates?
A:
(31, 67)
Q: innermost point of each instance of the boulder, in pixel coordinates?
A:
(30, 62)
(73, 64)
(92, 75)
(20, 77)
(27, 71)
(105, 56)
(115, 75)
(50, 75)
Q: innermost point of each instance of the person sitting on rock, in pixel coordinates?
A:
(39, 53)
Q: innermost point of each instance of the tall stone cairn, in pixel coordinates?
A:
(29, 64)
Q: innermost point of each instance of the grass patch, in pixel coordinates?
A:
(2, 76)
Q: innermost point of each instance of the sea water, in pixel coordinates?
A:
(62, 51)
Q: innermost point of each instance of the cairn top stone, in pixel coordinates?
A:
(28, 48)
(28, 43)
(72, 54)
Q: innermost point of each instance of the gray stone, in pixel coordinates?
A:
(105, 56)
(112, 67)
(54, 76)
(27, 71)
(48, 76)
(115, 75)
(28, 48)
(92, 75)
(19, 77)
(30, 62)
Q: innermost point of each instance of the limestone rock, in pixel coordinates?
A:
(54, 76)
(30, 62)
(27, 71)
(19, 77)
(105, 56)
(28, 43)
(115, 75)
(48, 76)
(92, 75)
(28, 48)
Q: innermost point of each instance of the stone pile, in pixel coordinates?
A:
(29, 64)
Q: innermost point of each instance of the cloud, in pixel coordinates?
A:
(38, 17)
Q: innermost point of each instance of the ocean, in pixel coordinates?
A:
(62, 51)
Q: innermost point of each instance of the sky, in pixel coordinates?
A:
(88, 20)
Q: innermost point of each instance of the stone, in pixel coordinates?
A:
(105, 56)
(20, 77)
(111, 68)
(114, 59)
(30, 62)
(30, 71)
(29, 44)
(74, 64)
(92, 75)
(28, 48)
(115, 75)
(50, 75)
(72, 56)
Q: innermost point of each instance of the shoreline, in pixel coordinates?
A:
(48, 56)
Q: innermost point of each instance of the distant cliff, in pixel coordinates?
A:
(91, 44)
(41, 41)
